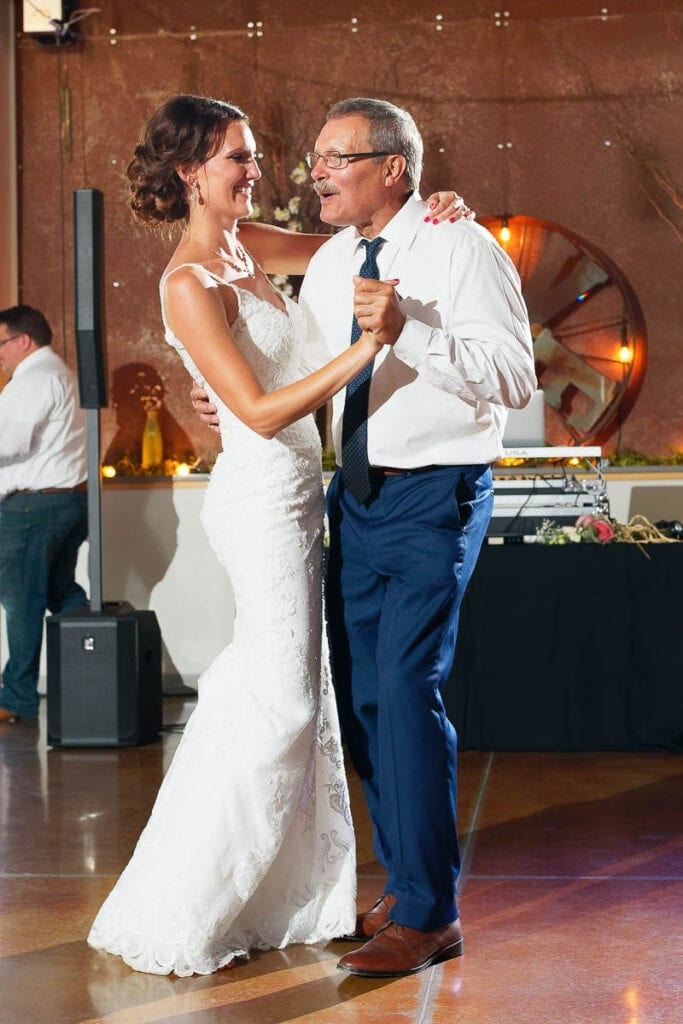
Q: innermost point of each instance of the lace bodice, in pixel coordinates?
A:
(272, 340)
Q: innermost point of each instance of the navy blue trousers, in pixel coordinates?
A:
(397, 570)
(40, 535)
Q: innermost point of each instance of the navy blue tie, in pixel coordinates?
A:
(355, 467)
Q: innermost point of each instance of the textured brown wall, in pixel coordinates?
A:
(556, 85)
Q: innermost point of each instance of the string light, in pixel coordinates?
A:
(504, 232)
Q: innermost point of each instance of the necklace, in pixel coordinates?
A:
(240, 260)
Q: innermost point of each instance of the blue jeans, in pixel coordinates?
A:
(40, 535)
(398, 567)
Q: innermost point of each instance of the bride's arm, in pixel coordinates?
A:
(287, 252)
(198, 318)
(277, 250)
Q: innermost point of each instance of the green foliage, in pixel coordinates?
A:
(130, 466)
(550, 532)
(329, 460)
(632, 457)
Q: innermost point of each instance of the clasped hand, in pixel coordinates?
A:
(376, 307)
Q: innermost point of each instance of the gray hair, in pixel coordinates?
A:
(392, 130)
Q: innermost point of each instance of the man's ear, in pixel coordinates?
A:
(26, 344)
(394, 169)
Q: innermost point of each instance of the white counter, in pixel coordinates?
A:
(155, 555)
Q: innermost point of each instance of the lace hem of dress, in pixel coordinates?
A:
(201, 951)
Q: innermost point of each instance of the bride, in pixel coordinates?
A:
(250, 843)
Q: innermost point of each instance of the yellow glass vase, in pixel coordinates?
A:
(152, 442)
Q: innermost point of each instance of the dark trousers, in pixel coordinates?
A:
(397, 570)
(40, 535)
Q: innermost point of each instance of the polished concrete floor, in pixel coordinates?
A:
(572, 898)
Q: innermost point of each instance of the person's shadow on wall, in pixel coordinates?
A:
(139, 519)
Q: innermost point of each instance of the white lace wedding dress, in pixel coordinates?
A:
(250, 843)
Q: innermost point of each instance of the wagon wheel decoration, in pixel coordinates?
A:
(590, 343)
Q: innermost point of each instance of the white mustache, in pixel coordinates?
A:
(324, 190)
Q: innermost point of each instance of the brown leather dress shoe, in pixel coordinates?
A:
(396, 950)
(7, 716)
(368, 923)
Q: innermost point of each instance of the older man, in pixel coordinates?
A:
(43, 504)
(409, 508)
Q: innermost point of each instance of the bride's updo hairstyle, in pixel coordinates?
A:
(186, 130)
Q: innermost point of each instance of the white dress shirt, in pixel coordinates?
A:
(42, 427)
(465, 354)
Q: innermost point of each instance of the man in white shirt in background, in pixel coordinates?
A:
(43, 498)
(404, 544)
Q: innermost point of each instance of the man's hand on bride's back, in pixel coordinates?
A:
(204, 408)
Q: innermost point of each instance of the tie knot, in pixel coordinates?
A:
(374, 245)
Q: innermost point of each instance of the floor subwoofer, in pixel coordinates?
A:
(103, 677)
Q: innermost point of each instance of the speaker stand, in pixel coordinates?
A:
(94, 510)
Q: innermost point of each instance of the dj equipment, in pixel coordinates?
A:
(538, 483)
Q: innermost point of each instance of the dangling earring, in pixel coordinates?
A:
(194, 191)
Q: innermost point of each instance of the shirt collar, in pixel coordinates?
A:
(402, 228)
(32, 359)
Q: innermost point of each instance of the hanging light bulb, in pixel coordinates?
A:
(504, 233)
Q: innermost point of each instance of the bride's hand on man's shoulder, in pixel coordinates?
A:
(447, 206)
(204, 407)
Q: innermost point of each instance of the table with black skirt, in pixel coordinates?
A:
(571, 647)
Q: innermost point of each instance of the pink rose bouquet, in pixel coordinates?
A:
(594, 529)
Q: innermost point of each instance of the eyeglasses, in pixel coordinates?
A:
(11, 338)
(336, 160)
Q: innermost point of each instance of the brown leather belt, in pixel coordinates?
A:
(52, 490)
(390, 471)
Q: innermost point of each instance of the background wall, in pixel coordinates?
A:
(8, 164)
(574, 118)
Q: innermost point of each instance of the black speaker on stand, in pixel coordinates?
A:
(104, 660)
